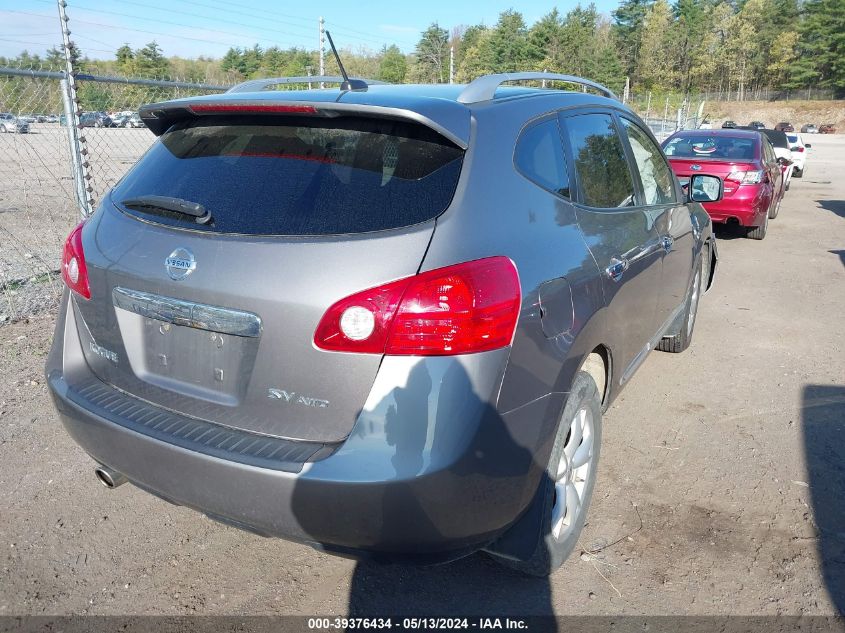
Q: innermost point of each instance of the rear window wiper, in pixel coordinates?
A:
(168, 203)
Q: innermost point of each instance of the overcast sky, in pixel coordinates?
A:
(190, 28)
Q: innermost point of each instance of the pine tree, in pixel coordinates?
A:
(393, 66)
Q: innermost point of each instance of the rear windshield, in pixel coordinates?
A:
(297, 176)
(709, 146)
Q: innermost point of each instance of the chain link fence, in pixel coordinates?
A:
(38, 194)
(38, 201)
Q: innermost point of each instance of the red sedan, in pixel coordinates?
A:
(745, 160)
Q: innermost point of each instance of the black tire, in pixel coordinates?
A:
(550, 552)
(773, 211)
(681, 341)
(797, 173)
(759, 232)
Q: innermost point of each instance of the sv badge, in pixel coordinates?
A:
(295, 398)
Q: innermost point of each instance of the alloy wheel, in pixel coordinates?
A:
(573, 474)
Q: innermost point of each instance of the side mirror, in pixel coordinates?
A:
(704, 188)
(784, 162)
(807, 145)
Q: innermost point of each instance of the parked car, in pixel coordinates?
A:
(11, 123)
(827, 128)
(799, 154)
(52, 118)
(94, 119)
(330, 368)
(809, 128)
(128, 120)
(727, 125)
(783, 152)
(746, 160)
(757, 125)
(784, 126)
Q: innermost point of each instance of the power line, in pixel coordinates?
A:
(171, 23)
(125, 28)
(193, 15)
(340, 28)
(49, 44)
(228, 6)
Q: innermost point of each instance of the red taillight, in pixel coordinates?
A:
(74, 270)
(460, 309)
(800, 149)
(261, 108)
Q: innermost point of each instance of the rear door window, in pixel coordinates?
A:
(297, 176)
(539, 157)
(604, 177)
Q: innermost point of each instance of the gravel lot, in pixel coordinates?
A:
(720, 489)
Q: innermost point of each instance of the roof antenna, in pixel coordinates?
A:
(348, 84)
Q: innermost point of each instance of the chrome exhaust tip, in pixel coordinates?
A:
(108, 477)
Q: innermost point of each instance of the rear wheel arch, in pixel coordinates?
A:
(597, 365)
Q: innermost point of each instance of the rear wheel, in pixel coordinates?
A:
(680, 341)
(773, 211)
(759, 232)
(797, 173)
(569, 480)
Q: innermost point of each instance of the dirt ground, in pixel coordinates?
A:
(720, 488)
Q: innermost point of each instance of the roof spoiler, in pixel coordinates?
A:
(158, 117)
(484, 88)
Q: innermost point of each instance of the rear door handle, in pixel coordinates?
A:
(616, 268)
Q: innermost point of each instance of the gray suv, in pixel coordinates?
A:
(384, 321)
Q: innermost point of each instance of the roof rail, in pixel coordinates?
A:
(254, 85)
(484, 88)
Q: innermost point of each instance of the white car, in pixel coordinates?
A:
(799, 151)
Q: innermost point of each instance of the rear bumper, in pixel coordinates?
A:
(747, 205)
(423, 487)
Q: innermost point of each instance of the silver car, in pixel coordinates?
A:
(384, 321)
(11, 123)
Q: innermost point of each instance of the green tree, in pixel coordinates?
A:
(125, 59)
(628, 21)
(821, 49)
(477, 59)
(655, 48)
(509, 44)
(149, 61)
(432, 55)
(393, 65)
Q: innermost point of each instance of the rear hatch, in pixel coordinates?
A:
(729, 171)
(213, 317)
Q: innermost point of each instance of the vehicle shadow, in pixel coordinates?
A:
(835, 206)
(729, 231)
(823, 428)
(443, 452)
(841, 255)
(475, 585)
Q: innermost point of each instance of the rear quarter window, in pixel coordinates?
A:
(298, 176)
(539, 157)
